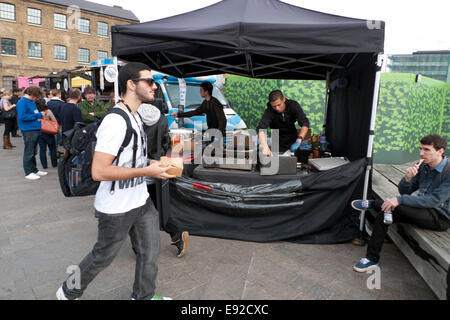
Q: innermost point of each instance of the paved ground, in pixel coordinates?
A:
(42, 233)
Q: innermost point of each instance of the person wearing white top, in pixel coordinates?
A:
(127, 210)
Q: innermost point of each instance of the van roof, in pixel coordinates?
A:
(172, 79)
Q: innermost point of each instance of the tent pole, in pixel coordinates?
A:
(116, 81)
(376, 91)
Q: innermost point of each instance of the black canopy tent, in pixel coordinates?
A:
(272, 39)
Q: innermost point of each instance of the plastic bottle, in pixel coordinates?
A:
(388, 217)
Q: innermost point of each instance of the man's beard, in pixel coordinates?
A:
(143, 98)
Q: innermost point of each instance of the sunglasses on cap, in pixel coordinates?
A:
(150, 81)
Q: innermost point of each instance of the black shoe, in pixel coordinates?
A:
(16, 136)
(182, 244)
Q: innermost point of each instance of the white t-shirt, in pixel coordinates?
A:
(131, 193)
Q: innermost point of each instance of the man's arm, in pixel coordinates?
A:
(100, 110)
(104, 170)
(429, 200)
(197, 112)
(85, 114)
(264, 123)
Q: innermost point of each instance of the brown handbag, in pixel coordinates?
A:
(49, 126)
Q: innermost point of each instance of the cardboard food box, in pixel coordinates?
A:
(176, 165)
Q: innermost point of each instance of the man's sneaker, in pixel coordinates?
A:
(158, 297)
(61, 296)
(363, 265)
(182, 244)
(32, 176)
(363, 205)
(41, 173)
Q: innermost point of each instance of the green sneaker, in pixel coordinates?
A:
(158, 297)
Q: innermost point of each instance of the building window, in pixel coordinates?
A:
(9, 46)
(102, 29)
(60, 21)
(60, 52)
(84, 26)
(102, 55)
(83, 55)
(7, 11)
(34, 49)
(7, 82)
(34, 16)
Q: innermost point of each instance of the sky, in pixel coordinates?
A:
(411, 25)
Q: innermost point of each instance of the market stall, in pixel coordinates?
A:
(272, 39)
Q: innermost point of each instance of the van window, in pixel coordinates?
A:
(193, 97)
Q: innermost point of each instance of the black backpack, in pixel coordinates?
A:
(74, 168)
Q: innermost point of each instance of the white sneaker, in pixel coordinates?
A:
(41, 173)
(32, 176)
(60, 294)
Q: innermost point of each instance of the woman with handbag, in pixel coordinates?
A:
(46, 139)
(9, 115)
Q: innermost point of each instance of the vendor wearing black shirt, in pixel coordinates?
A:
(215, 116)
(282, 113)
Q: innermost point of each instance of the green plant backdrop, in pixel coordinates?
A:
(407, 110)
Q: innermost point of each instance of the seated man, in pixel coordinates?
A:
(281, 114)
(91, 109)
(429, 209)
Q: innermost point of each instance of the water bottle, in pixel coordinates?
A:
(388, 217)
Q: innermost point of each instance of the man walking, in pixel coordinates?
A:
(127, 210)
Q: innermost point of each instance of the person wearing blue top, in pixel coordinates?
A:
(429, 209)
(28, 118)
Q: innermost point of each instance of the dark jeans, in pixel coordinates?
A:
(9, 126)
(30, 139)
(47, 140)
(142, 224)
(426, 218)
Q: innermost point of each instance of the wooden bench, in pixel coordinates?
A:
(428, 251)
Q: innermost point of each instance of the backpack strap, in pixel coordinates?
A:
(126, 141)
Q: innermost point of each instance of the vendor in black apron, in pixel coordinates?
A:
(281, 114)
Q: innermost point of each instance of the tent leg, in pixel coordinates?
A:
(376, 91)
(116, 81)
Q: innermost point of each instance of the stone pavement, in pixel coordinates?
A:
(42, 233)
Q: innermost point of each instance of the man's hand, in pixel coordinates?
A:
(411, 172)
(174, 115)
(294, 147)
(91, 113)
(266, 151)
(389, 204)
(157, 170)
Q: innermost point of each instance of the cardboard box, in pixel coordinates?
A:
(176, 165)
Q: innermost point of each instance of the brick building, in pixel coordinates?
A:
(40, 37)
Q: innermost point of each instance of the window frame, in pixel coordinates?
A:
(28, 17)
(79, 26)
(54, 52)
(89, 55)
(15, 47)
(55, 20)
(107, 29)
(14, 11)
(98, 57)
(36, 57)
